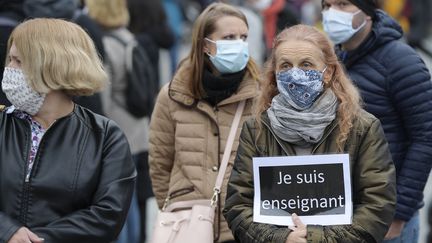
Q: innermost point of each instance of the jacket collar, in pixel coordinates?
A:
(179, 88)
(384, 30)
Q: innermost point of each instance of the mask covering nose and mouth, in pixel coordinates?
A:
(231, 55)
(338, 25)
(19, 92)
(300, 87)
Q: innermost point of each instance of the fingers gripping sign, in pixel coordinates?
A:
(298, 233)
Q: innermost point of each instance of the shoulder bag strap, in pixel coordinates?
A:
(225, 157)
(227, 151)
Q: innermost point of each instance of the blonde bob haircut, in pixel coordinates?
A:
(345, 91)
(58, 55)
(204, 26)
(110, 14)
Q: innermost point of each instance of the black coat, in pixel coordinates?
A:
(396, 87)
(81, 183)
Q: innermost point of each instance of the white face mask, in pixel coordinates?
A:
(19, 92)
(231, 55)
(338, 25)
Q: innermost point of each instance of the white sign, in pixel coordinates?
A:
(315, 187)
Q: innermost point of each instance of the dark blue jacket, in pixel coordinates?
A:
(396, 87)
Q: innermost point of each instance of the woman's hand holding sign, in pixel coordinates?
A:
(298, 234)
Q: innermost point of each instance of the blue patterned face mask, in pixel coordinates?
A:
(302, 87)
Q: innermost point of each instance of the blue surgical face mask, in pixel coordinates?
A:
(338, 25)
(231, 55)
(300, 87)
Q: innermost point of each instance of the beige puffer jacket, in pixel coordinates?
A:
(187, 141)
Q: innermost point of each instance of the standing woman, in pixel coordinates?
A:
(309, 107)
(66, 173)
(194, 112)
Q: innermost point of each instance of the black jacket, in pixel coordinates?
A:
(396, 87)
(81, 183)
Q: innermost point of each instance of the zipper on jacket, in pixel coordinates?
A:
(27, 180)
(180, 192)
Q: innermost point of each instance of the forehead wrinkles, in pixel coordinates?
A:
(295, 50)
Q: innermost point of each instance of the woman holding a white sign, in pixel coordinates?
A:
(308, 106)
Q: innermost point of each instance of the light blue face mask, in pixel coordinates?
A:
(231, 55)
(338, 25)
(300, 87)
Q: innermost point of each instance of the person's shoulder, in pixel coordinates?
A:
(94, 121)
(396, 51)
(364, 120)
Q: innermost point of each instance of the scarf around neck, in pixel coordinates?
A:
(302, 127)
(218, 88)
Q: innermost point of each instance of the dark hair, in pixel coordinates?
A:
(145, 14)
(367, 6)
(13, 6)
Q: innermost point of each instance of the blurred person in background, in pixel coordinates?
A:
(66, 173)
(149, 24)
(175, 21)
(257, 47)
(429, 237)
(193, 113)
(396, 87)
(113, 17)
(69, 10)
(11, 14)
(270, 13)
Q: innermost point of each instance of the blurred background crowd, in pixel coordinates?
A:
(164, 29)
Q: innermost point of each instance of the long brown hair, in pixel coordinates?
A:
(345, 91)
(204, 26)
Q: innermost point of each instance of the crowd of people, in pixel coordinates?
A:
(79, 162)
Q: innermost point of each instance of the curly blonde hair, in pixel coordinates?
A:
(347, 94)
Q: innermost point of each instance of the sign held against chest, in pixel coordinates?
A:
(315, 187)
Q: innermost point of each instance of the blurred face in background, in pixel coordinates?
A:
(348, 7)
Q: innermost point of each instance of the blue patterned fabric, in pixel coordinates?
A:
(301, 86)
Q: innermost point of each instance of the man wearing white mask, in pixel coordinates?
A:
(396, 87)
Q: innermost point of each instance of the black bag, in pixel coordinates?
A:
(141, 88)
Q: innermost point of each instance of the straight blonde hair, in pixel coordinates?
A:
(58, 55)
(110, 14)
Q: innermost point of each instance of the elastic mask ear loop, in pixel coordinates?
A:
(324, 70)
(322, 77)
(214, 42)
(362, 25)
